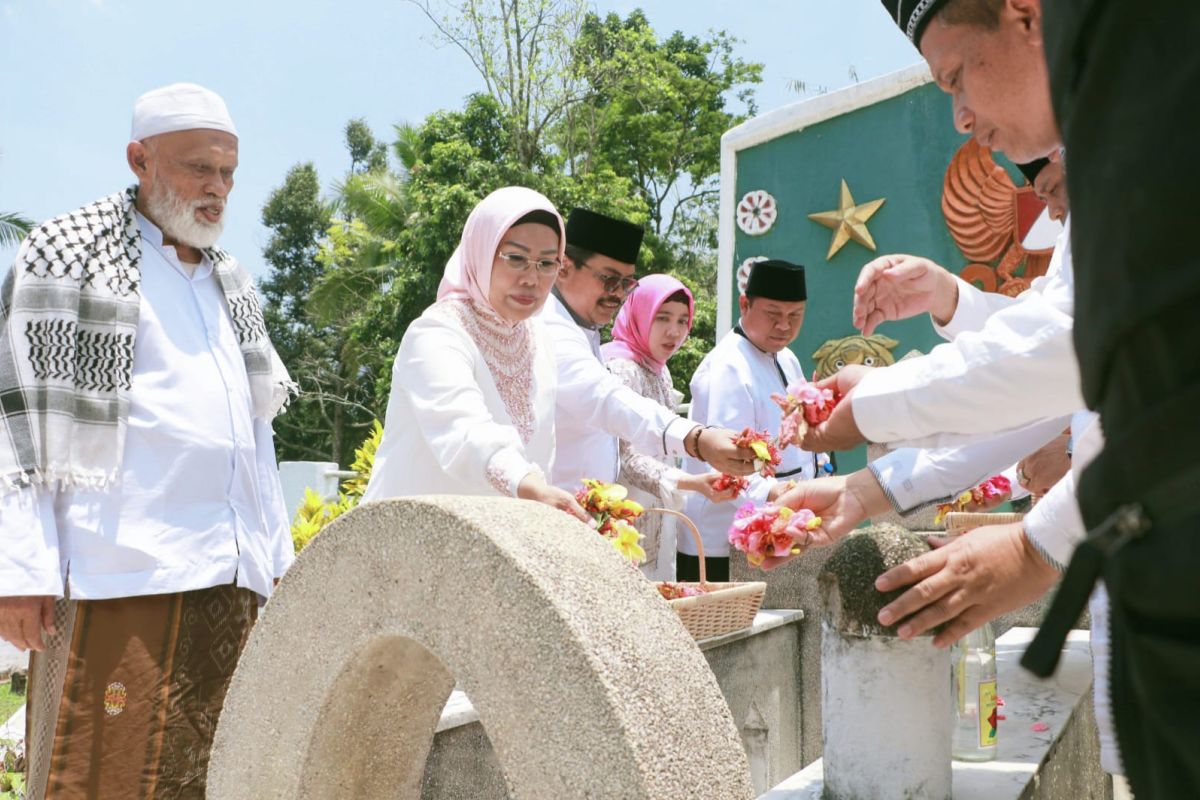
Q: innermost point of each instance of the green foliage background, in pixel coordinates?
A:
(629, 126)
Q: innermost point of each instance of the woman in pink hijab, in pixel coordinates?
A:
(471, 409)
(650, 328)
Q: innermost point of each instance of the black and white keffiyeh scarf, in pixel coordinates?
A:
(68, 319)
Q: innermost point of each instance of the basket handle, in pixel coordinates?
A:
(695, 535)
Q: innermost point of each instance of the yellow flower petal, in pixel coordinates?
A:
(625, 539)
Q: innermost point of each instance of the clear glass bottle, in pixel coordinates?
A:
(973, 687)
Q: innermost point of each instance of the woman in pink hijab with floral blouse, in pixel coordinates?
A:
(650, 328)
(471, 409)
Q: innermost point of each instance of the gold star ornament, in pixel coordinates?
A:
(848, 221)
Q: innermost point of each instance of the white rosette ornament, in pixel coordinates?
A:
(743, 272)
(756, 213)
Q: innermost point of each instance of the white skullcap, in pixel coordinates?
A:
(179, 107)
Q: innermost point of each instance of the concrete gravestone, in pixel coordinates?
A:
(585, 681)
(879, 690)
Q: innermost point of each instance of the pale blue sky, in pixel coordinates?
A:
(292, 73)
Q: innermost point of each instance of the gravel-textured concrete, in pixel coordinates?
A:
(1071, 769)
(878, 689)
(585, 681)
(758, 673)
(852, 603)
(462, 766)
(794, 585)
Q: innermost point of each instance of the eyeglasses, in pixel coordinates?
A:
(612, 282)
(521, 263)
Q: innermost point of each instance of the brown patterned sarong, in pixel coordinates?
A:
(124, 701)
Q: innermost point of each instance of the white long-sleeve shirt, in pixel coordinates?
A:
(1055, 524)
(594, 409)
(199, 502)
(732, 388)
(447, 429)
(912, 477)
(965, 387)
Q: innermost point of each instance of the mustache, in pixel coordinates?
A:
(611, 298)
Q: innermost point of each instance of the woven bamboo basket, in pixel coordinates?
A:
(962, 521)
(723, 607)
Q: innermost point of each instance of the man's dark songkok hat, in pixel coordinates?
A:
(777, 280)
(1030, 169)
(615, 238)
(913, 15)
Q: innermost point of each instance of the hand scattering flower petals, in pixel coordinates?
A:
(612, 514)
(766, 454)
(771, 531)
(987, 494)
(723, 483)
(803, 404)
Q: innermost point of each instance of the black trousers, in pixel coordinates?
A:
(1125, 80)
(687, 569)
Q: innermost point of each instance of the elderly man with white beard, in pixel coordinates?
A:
(141, 516)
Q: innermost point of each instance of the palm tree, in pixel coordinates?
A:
(375, 206)
(13, 228)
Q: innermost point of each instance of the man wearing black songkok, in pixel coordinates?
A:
(1128, 123)
(593, 408)
(732, 388)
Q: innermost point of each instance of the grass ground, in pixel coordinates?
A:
(17, 781)
(9, 702)
(11, 782)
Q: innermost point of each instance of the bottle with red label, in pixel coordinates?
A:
(973, 687)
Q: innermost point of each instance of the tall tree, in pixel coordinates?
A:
(324, 423)
(593, 112)
(655, 110)
(297, 219)
(366, 154)
(522, 50)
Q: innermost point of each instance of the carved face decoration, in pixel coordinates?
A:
(870, 351)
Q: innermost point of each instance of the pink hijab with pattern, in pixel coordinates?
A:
(507, 347)
(631, 331)
(468, 274)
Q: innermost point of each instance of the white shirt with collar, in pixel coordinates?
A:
(912, 477)
(448, 430)
(732, 388)
(199, 502)
(965, 388)
(594, 409)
